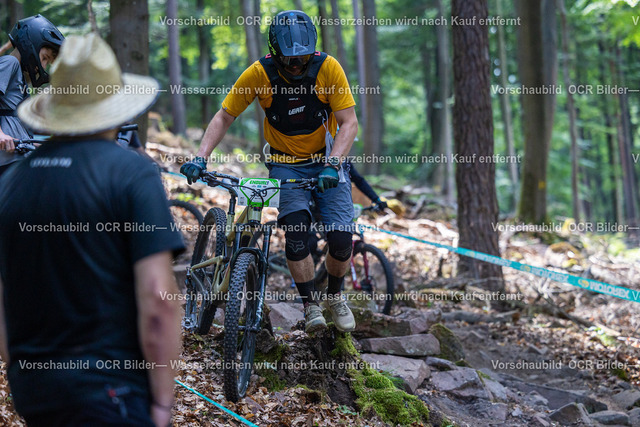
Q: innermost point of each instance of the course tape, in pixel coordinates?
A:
(580, 282)
(217, 405)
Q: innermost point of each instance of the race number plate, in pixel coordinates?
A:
(259, 192)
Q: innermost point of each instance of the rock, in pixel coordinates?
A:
(539, 420)
(496, 412)
(284, 316)
(466, 316)
(450, 345)
(573, 413)
(533, 398)
(462, 382)
(557, 397)
(408, 345)
(497, 390)
(627, 399)
(611, 418)
(412, 371)
(265, 342)
(440, 364)
(517, 412)
(634, 417)
(409, 322)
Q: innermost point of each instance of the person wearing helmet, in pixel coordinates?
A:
(306, 96)
(36, 43)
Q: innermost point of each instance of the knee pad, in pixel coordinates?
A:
(296, 232)
(339, 244)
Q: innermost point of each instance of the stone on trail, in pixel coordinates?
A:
(284, 316)
(609, 418)
(412, 371)
(572, 414)
(409, 345)
(409, 322)
(627, 399)
(463, 383)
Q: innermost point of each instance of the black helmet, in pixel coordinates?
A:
(29, 36)
(292, 41)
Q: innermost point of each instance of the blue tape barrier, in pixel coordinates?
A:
(580, 282)
(217, 405)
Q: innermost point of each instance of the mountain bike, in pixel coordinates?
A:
(370, 272)
(225, 269)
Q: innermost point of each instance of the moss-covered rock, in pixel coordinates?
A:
(266, 366)
(376, 392)
(450, 346)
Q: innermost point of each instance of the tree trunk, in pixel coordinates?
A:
(441, 131)
(505, 110)
(204, 66)
(616, 198)
(129, 39)
(339, 41)
(253, 49)
(427, 85)
(178, 108)
(298, 4)
(325, 30)
(571, 109)
(473, 135)
(538, 69)
(361, 61)
(624, 140)
(373, 126)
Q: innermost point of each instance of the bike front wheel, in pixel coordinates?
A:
(240, 326)
(200, 308)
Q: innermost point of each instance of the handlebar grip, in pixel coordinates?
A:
(127, 128)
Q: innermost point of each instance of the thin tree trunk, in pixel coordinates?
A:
(361, 61)
(425, 60)
(616, 198)
(571, 109)
(325, 30)
(538, 69)
(473, 135)
(253, 49)
(373, 126)
(298, 4)
(204, 66)
(505, 110)
(339, 41)
(444, 174)
(624, 141)
(178, 107)
(129, 39)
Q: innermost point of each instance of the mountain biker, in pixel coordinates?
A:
(36, 43)
(305, 95)
(89, 327)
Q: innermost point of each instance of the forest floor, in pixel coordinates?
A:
(573, 335)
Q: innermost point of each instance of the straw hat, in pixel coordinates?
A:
(88, 92)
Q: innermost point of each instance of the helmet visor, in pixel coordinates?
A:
(293, 61)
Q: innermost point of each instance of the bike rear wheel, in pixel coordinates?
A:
(373, 272)
(188, 220)
(239, 338)
(201, 308)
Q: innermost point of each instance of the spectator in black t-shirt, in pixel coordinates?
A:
(89, 322)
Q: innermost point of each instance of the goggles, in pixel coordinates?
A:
(292, 61)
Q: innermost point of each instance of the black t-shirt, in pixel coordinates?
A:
(74, 218)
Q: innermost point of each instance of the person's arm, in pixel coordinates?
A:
(361, 184)
(159, 328)
(6, 142)
(348, 123)
(4, 345)
(216, 130)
